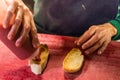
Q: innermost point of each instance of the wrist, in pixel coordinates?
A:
(112, 29)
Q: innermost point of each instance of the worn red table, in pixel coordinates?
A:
(96, 67)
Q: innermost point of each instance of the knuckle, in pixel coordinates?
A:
(10, 10)
(15, 2)
(26, 10)
(93, 27)
(27, 28)
(13, 5)
(18, 20)
(20, 7)
(100, 43)
(96, 37)
(89, 44)
(35, 37)
(34, 30)
(102, 48)
(90, 50)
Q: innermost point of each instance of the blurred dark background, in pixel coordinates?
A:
(29, 3)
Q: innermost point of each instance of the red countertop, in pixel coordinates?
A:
(96, 67)
(15, 67)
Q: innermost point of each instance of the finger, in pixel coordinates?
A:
(25, 30)
(10, 12)
(103, 47)
(95, 38)
(35, 41)
(14, 29)
(85, 36)
(95, 47)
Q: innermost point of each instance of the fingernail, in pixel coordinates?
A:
(17, 44)
(78, 43)
(87, 52)
(4, 26)
(83, 47)
(35, 46)
(75, 42)
(99, 52)
(9, 37)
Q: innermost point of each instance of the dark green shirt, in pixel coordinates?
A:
(115, 22)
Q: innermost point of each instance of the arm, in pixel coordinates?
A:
(97, 37)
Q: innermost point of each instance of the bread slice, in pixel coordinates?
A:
(39, 62)
(73, 61)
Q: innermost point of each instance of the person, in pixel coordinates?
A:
(95, 22)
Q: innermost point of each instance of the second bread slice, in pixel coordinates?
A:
(73, 61)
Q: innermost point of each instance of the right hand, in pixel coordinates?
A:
(96, 38)
(23, 19)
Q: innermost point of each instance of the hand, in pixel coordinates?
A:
(23, 20)
(96, 38)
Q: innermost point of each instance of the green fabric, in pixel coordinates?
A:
(116, 24)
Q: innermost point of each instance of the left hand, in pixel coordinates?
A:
(96, 38)
(23, 23)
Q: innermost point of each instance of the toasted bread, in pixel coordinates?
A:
(73, 61)
(39, 62)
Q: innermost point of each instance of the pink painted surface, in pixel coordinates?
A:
(104, 67)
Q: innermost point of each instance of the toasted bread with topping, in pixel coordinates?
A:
(39, 62)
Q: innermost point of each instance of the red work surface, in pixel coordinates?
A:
(96, 67)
